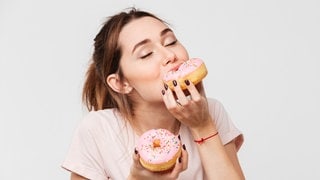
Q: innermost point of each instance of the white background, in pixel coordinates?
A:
(264, 66)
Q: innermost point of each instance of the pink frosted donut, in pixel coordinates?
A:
(158, 149)
(193, 69)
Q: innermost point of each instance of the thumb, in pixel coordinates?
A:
(136, 159)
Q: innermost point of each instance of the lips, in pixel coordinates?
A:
(173, 73)
(175, 68)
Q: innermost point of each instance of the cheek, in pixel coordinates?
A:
(181, 52)
(143, 73)
(141, 76)
(148, 86)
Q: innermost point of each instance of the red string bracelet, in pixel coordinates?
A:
(200, 141)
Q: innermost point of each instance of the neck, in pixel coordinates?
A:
(148, 117)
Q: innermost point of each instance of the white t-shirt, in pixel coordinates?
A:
(103, 145)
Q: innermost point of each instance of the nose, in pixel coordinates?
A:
(168, 56)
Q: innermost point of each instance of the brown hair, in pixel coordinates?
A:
(106, 57)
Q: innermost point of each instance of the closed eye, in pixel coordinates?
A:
(145, 56)
(172, 43)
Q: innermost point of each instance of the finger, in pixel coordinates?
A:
(168, 97)
(174, 174)
(182, 162)
(136, 159)
(185, 157)
(180, 94)
(200, 88)
(195, 95)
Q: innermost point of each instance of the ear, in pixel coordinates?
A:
(118, 86)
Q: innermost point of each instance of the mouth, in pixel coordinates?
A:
(175, 68)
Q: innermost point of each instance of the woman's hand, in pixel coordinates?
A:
(138, 172)
(189, 106)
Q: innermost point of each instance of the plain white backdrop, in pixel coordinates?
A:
(263, 59)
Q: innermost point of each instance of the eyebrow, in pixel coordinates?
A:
(162, 33)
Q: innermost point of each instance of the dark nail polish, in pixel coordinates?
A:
(179, 159)
(179, 137)
(165, 86)
(187, 82)
(135, 151)
(174, 82)
(163, 92)
(184, 147)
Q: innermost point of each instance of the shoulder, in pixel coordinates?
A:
(101, 119)
(212, 101)
(92, 144)
(226, 127)
(217, 111)
(100, 114)
(215, 106)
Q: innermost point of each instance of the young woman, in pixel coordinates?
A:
(126, 96)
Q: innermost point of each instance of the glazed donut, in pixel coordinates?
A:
(193, 69)
(158, 149)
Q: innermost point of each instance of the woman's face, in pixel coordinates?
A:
(149, 50)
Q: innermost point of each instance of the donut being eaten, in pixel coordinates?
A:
(193, 70)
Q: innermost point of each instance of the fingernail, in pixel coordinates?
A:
(174, 82)
(165, 86)
(179, 159)
(135, 151)
(163, 92)
(187, 82)
(184, 147)
(179, 137)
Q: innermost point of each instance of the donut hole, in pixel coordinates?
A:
(156, 143)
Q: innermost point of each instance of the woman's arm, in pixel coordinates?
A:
(219, 162)
(232, 153)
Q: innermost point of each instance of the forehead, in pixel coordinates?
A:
(140, 29)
